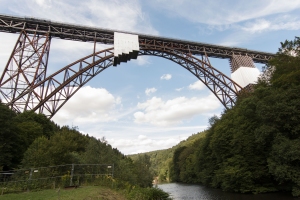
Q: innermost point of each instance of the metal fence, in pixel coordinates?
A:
(70, 175)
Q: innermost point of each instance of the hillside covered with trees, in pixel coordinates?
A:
(255, 146)
(161, 160)
(29, 140)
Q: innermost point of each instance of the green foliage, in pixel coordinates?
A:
(10, 141)
(161, 160)
(147, 194)
(37, 153)
(142, 170)
(48, 127)
(63, 147)
(68, 146)
(17, 132)
(97, 152)
(30, 140)
(253, 147)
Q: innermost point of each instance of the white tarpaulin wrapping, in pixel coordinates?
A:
(125, 43)
(245, 76)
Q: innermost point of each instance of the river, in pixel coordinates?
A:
(179, 191)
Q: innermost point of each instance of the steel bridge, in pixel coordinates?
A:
(24, 84)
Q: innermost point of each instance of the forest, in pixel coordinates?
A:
(253, 147)
(29, 140)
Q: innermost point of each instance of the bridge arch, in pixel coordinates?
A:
(49, 95)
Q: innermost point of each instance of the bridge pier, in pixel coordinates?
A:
(27, 66)
(243, 71)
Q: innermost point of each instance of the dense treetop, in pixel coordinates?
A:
(253, 147)
(31, 140)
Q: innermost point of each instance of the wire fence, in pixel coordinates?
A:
(70, 175)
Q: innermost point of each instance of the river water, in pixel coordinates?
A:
(179, 191)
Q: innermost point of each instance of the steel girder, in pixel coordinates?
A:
(26, 67)
(225, 89)
(56, 92)
(12, 24)
(59, 87)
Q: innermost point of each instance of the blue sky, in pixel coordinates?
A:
(152, 103)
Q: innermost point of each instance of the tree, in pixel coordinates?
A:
(142, 170)
(10, 141)
(63, 147)
(37, 154)
(254, 147)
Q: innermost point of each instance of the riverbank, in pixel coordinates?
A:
(86, 192)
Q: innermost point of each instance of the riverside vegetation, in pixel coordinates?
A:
(253, 147)
(30, 140)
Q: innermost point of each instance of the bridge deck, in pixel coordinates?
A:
(13, 24)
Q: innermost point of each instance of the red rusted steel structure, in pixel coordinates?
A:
(25, 86)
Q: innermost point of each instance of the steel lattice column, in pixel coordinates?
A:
(26, 67)
(238, 61)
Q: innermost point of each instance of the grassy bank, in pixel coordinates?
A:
(86, 193)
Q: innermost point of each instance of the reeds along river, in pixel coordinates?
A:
(180, 191)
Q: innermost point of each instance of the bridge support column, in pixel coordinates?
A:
(243, 71)
(26, 67)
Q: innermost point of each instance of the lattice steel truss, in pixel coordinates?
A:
(26, 67)
(55, 92)
(12, 24)
(24, 85)
(237, 61)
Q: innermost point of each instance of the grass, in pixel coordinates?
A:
(81, 193)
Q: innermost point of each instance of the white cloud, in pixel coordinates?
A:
(279, 23)
(132, 138)
(248, 31)
(43, 3)
(164, 113)
(141, 60)
(148, 91)
(117, 14)
(257, 26)
(166, 77)
(89, 105)
(220, 12)
(7, 42)
(179, 89)
(144, 144)
(198, 85)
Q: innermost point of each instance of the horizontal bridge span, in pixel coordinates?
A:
(13, 24)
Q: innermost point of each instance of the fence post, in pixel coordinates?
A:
(112, 175)
(72, 173)
(29, 180)
(113, 166)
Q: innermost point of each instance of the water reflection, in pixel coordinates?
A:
(180, 191)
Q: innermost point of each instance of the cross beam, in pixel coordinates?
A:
(13, 24)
